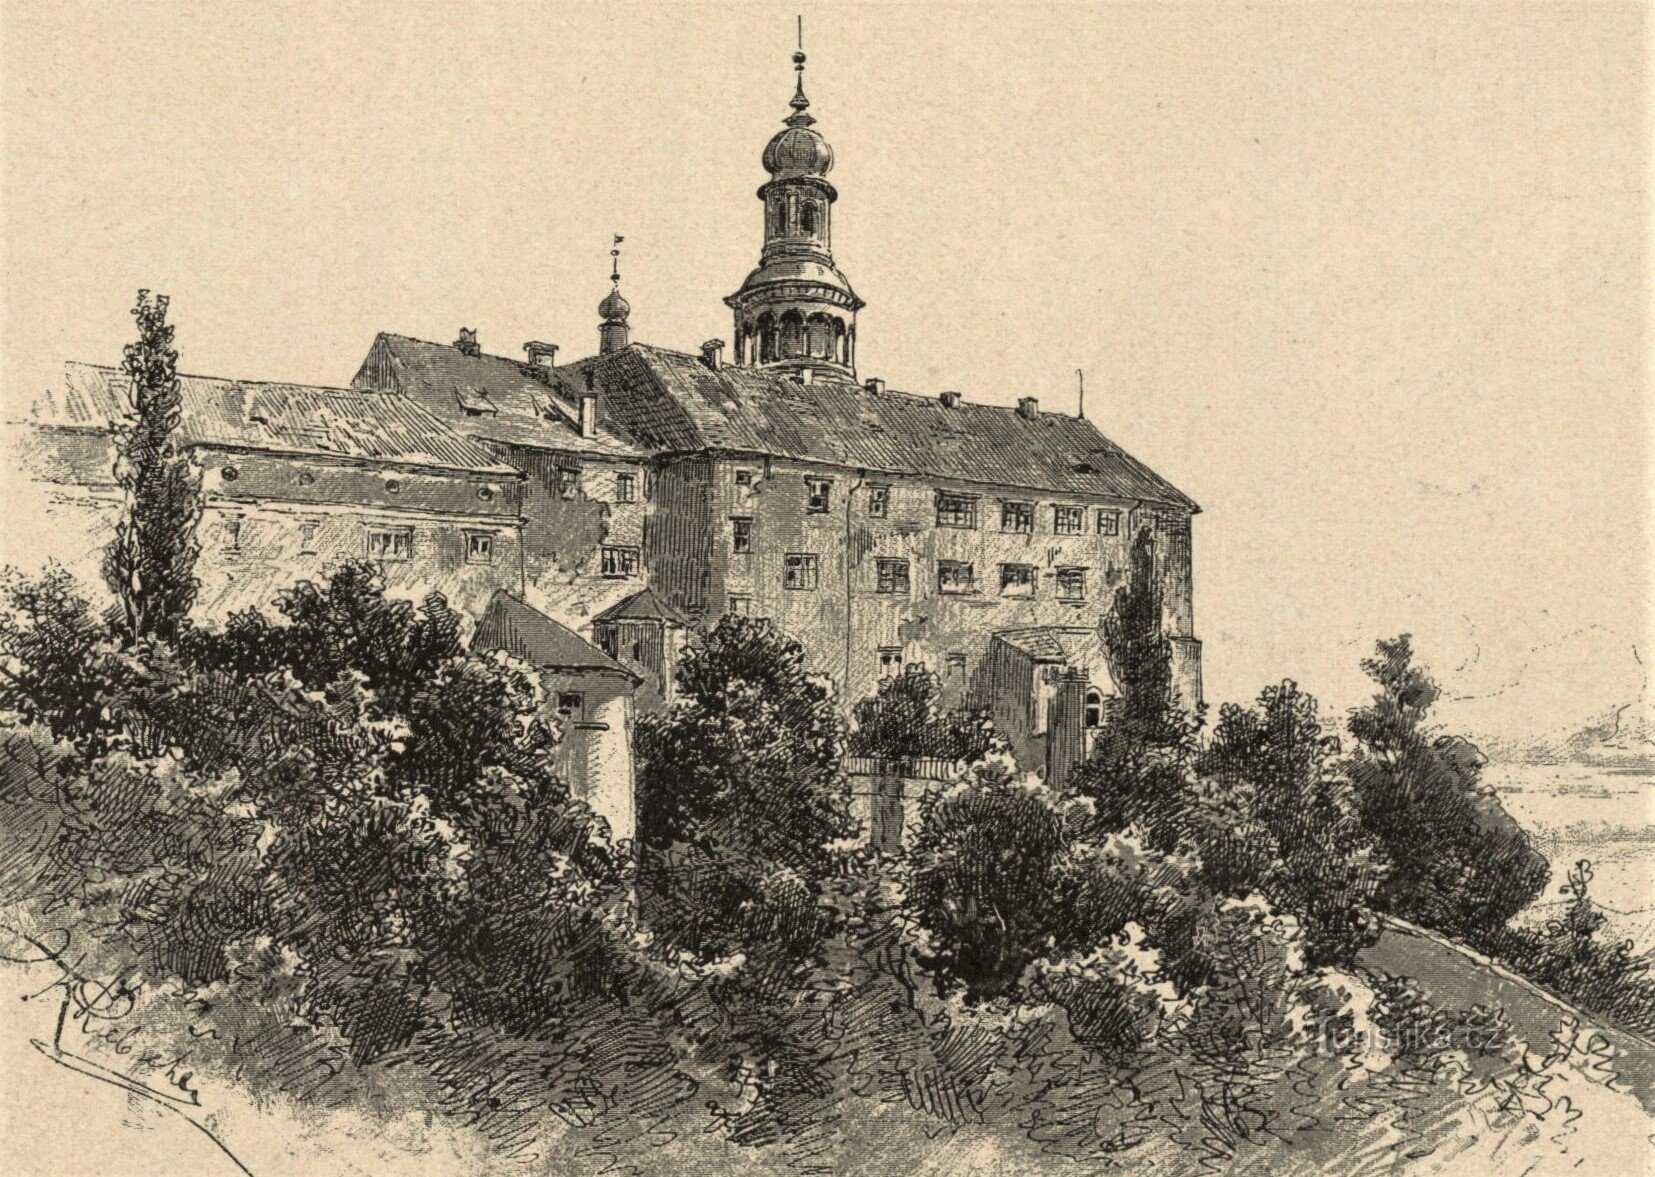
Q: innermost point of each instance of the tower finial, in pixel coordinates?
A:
(799, 102)
(613, 332)
(615, 261)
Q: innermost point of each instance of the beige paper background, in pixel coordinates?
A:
(1370, 282)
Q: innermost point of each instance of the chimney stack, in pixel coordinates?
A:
(467, 344)
(806, 375)
(589, 415)
(950, 400)
(1028, 407)
(541, 355)
(874, 384)
(712, 354)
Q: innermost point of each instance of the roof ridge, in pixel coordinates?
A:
(341, 388)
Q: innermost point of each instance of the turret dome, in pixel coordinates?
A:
(797, 151)
(614, 308)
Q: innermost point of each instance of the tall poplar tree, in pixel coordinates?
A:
(150, 564)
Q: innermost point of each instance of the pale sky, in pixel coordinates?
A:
(1369, 283)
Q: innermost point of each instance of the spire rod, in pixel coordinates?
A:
(799, 102)
(615, 261)
(1080, 375)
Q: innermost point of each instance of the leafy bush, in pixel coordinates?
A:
(1454, 859)
(905, 722)
(1279, 818)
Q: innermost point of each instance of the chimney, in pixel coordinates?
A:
(467, 344)
(589, 415)
(712, 354)
(541, 355)
(806, 375)
(874, 384)
(950, 400)
(1028, 407)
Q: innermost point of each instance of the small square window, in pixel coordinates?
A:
(956, 510)
(620, 562)
(391, 544)
(1071, 584)
(956, 664)
(820, 492)
(1017, 517)
(307, 537)
(479, 547)
(890, 661)
(744, 479)
(568, 482)
(955, 576)
(741, 535)
(1109, 521)
(1068, 520)
(571, 704)
(879, 502)
(893, 576)
(741, 606)
(626, 488)
(800, 572)
(1017, 580)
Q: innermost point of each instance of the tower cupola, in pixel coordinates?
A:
(613, 332)
(797, 310)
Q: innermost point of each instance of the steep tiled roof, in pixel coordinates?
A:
(490, 398)
(674, 401)
(643, 605)
(513, 625)
(277, 418)
(653, 400)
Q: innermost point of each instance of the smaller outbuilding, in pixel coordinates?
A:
(590, 694)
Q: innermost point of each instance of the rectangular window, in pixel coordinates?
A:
(620, 562)
(744, 479)
(571, 704)
(741, 535)
(956, 510)
(1018, 517)
(890, 661)
(741, 606)
(307, 537)
(1071, 584)
(625, 488)
(893, 576)
(956, 665)
(1109, 521)
(800, 572)
(479, 547)
(568, 482)
(232, 533)
(879, 502)
(820, 491)
(1068, 520)
(1017, 580)
(391, 543)
(955, 576)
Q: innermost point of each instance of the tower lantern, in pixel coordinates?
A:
(797, 310)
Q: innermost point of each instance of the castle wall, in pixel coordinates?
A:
(846, 622)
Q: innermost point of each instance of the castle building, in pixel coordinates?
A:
(637, 494)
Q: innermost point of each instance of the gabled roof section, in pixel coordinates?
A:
(643, 605)
(491, 398)
(276, 418)
(513, 625)
(672, 401)
(1058, 644)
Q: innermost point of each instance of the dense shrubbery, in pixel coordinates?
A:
(905, 721)
(324, 853)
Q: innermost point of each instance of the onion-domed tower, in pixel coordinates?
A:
(797, 310)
